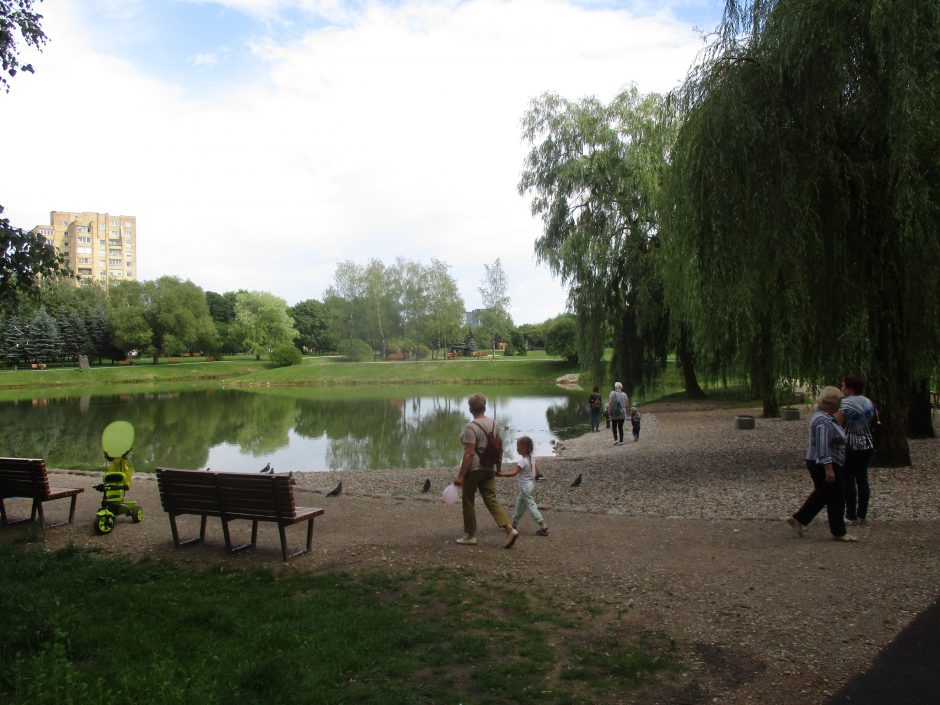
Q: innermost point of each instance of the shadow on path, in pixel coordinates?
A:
(906, 672)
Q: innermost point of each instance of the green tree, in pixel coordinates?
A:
(310, 320)
(263, 321)
(494, 290)
(25, 258)
(804, 200)
(12, 340)
(127, 314)
(222, 306)
(17, 17)
(561, 338)
(594, 173)
(43, 342)
(178, 315)
(445, 306)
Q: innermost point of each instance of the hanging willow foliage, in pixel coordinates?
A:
(594, 171)
(801, 238)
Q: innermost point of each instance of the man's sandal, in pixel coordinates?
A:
(542, 532)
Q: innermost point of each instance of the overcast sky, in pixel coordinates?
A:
(260, 142)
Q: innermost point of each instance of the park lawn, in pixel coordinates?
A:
(326, 371)
(83, 628)
(144, 373)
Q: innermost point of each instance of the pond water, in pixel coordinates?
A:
(297, 430)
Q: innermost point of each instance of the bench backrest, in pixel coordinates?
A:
(230, 493)
(24, 477)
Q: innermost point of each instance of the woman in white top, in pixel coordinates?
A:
(617, 404)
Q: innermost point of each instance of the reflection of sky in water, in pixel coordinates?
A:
(516, 416)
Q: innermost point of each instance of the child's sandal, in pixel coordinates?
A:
(542, 532)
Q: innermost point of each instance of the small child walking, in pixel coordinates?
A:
(524, 471)
(635, 422)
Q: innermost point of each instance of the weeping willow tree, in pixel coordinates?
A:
(594, 172)
(802, 228)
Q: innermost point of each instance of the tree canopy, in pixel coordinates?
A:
(594, 172)
(18, 18)
(804, 199)
(25, 260)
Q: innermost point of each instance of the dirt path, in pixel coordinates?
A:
(760, 616)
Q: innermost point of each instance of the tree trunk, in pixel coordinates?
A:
(762, 373)
(891, 390)
(919, 418)
(685, 358)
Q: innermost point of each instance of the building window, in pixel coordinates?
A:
(81, 229)
(84, 239)
(83, 250)
(84, 260)
(115, 272)
(114, 262)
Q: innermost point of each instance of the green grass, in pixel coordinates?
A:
(315, 371)
(80, 628)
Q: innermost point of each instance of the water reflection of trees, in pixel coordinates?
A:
(179, 429)
(384, 433)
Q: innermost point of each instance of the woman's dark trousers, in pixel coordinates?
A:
(857, 491)
(617, 426)
(824, 494)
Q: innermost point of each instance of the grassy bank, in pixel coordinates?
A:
(86, 629)
(315, 371)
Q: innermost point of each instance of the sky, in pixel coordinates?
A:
(261, 142)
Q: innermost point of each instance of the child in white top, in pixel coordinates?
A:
(524, 471)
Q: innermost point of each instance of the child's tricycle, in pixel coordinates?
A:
(117, 439)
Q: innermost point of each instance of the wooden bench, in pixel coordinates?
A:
(231, 496)
(27, 477)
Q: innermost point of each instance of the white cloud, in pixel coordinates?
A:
(395, 135)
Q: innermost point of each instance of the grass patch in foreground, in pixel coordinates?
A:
(86, 629)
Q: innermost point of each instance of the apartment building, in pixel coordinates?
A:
(97, 246)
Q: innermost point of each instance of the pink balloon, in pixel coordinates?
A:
(450, 494)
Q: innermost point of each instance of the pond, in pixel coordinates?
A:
(293, 429)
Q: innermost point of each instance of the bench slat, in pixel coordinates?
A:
(233, 496)
(28, 477)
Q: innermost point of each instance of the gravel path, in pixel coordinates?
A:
(681, 532)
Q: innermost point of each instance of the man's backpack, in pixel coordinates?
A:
(493, 453)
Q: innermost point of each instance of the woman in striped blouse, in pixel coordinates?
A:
(856, 414)
(825, 457)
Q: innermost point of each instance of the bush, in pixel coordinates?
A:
(286, 355)
(356, 350)
(423, 352)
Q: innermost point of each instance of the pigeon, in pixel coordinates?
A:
(427, 486)
(336, 491)
(290, 476)
(577, 482)
(267, 468)
(208, 469)
(539, 477)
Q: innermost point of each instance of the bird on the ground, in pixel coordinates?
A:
(336, 491)
(539, 476)
(427, 486)
(267, 468)
(577, 482)
(208, 469)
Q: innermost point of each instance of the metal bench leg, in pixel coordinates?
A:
(72, 509)
(254, 533)
(228, 539)
(176, 534)
(309, 533)
(202, 528)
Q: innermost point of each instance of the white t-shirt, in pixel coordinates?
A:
(526, 469)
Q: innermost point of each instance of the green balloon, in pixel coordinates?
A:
(117, 438)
